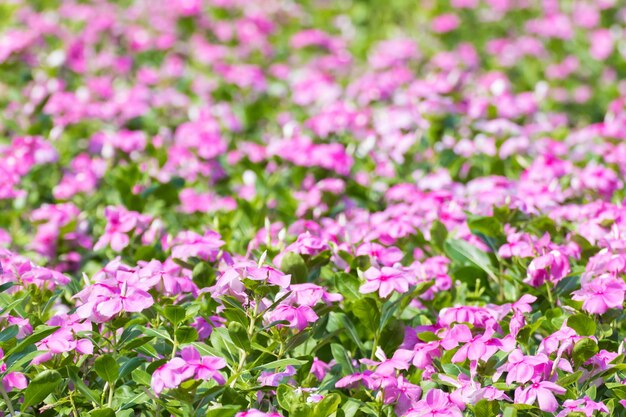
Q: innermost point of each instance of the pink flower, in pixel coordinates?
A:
(11, 380)
(109, 297)
(120, 223)
(319, 368)
(436, 404)
(521, 368)
(62, 341)
(189, 365)
(542, 392)
(188, 244)
(601, 44)
(552, 267)
(445, 23)
(351, 381)
(298, 317)
(253, 412)
(170, 375)
(309, 295)
(481, 347)
(600, 294)
(584, 405)
(386, 280)
(273, 379)
(384, 255)
(204, 367)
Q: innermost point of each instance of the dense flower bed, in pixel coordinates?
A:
(265, 208)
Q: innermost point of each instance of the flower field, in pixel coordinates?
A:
(314, 208)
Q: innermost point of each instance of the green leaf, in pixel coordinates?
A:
(569, 379)
(484, 408)
(462, 252)
(438, 234)
(158, 333)
(9, 333)
(327, 406)
(40, 387)
(186, 334)
(72, 372)
(341, 322)
(203, 275)
(509, 411)
(583, 350)
(130, 365)
(286, 397)
(141, 377)
(582, 324)
(348, 285)
(341, 356)
(102, 412)
(140, 341)
(107, 368)
(223, 411)
(368, 313)
(39, 334)
(175, 314)
(293, 264)
(280, 363)
(238, 335)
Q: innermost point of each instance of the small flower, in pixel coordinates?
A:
(386, 280)
(600, 294)
(542, 392)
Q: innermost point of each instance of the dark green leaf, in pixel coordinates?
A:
(40, 387)
(102, 412)
(293, 264)
(39, 334)
(223, 411)
(107, 368)
(463, 252)
(583, 350)
(175, 314)
(484, 408)
(238, 335)
(186, 334)
(582, 324)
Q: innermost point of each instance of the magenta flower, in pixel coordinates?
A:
(481, 347)
(188, 244)
(204, 367)
(353, 380)
(551, 267)
(541, 392)
(319, 368)
(309, 295)
(386, 280)
(273, 379)
(256, 413)
(298, 317)
(521, 368)
(583, 405)
(62, 341)
(436, 404)
(11, 380)
(189, 365)
(600, 294)
(109, 297)
(120, 224)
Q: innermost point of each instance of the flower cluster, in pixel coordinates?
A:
(282, 208)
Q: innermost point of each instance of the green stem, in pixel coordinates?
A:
(550, 299)
(7, 400)
(73, 404)
(111, 392)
